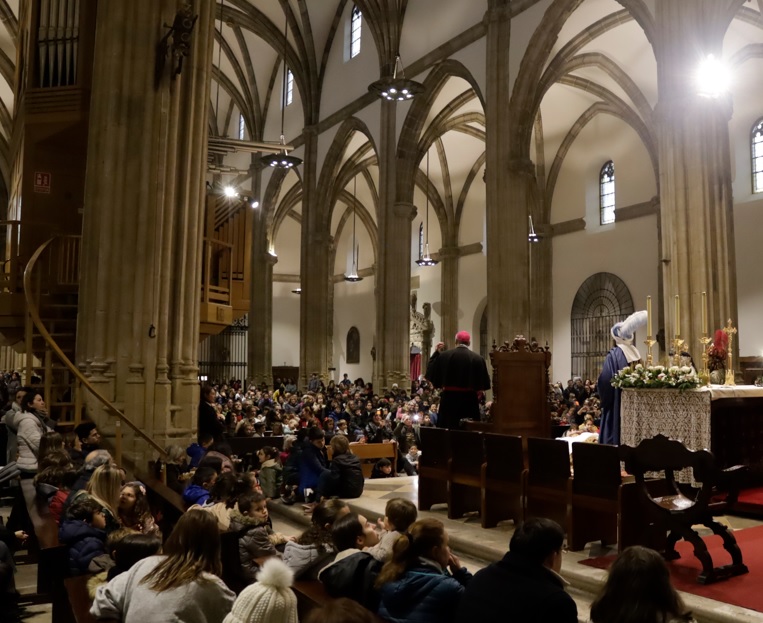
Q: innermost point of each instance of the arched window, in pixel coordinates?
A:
(241, 128)
(353, 345)
(756, 142)
(421, 240)
(607, 193)
(601, 301)
(289, 87)
(356, 23)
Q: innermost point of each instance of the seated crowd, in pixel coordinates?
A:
(400, 570)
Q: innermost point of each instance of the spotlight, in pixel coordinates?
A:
(230, 192)
(255, 204)
(713, 77)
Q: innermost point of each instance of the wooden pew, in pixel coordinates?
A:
(433, 467)
(502, 479)
(467, 457)
(312, 594)
(166, 505)
(370, 453)
(245, 448)
(596, 495)
(79, 598)
(548, 484)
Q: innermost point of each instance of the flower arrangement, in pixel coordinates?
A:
(657, 377)
(718, 351)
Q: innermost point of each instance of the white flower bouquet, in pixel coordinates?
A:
(657, 377)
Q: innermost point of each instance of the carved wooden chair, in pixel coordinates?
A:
(685, 506)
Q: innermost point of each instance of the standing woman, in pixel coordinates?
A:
(32, 424)
(183, 584)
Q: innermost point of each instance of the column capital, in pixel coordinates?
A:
(523, 166)
(404, 210)
(270, 258)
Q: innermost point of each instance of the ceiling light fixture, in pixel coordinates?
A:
(396, 88)
(353, 277)
(426, 259)
(532, 236)
(713, 77)
(282, 159)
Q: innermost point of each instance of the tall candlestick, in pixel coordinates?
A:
(649, 316)
(704, 313)
(678, 317)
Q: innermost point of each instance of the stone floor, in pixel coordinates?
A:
(477, 547)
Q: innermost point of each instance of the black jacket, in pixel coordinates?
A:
(353, 576)
(208, 422)
(530, 591)
(348, 475)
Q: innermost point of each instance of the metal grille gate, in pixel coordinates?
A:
(224, 356)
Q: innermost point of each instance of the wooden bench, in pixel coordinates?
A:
(548, 483)
(467, 456)
(166, 505)
(433, 467)
(79, 598)
(502, 479)
(370, 453)
(311, 594)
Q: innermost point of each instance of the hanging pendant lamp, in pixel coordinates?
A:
(396, 88)
(532, 236)
(353, 276)
(282, 159)
(426, 259)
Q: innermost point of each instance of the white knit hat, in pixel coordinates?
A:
(269, 600)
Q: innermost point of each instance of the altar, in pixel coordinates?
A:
(727, 420)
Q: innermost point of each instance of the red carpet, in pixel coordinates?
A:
(743, 590)
(751, 501)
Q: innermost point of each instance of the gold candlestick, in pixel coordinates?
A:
(729, 330)
(678, 347)
(649, 343)
(705, 376)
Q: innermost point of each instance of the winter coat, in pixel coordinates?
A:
(30, 429)
(10, 419)
(349, 475)
(306, 560)
(352, 575)
(126, 599)
(195, 494)
(196, 452)
(219, 510)
(271, 478)
(423, 594)
(312, 464)
(255, 540)
(56, 504)
(84, 541)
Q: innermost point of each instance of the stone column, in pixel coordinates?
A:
(260, 336)
(393, 274)
(698, 253)
(506, 206)
(449, 294)
(314, 271)
(138, 325)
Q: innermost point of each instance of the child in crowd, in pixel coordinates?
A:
(341, 428)
(270, 474)
(399, 515)
(413, 457)
(134, 512)
(346, 478)
(314, 549)
(198, 491)
(197, 450)
(269, 600)
(353, 572)
(83, 531)
(382, 469)
(125, 548)
(54, 483)
(256, 539)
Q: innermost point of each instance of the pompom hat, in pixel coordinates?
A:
(269, 600)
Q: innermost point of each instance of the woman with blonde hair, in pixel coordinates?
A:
(415, 586)
(105, 486)
(182, 584)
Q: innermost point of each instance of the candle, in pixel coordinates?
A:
(678, 317)
(649, 317)
(704, 313)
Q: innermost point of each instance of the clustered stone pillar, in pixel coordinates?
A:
(449, 293)
(393, 275)
(138, 325)
(260, 336)
(506, 190)
(698, 253)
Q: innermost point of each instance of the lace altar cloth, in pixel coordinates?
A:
(679, 415)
